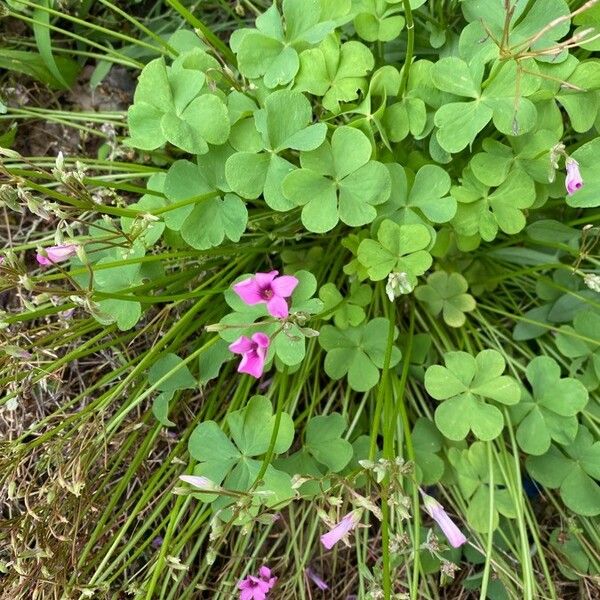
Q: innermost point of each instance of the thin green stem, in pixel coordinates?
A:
(410, 46)
(488, 549)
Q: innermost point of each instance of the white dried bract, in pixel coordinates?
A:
(398, 285)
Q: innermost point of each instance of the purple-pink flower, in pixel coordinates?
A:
(267, 288)
(257, 588)
(55, 254)
(436, 511)
(341, 530)
(253, 351)
(574, 181)
(318, 581)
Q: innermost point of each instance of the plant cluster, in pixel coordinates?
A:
(388, 178)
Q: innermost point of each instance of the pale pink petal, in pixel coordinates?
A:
(278, 307)
(241, 345)
(318, 581)
(42, 260)
(285, 285)
(573, 181)
(56, 254)
(249, 291)
(202, 483)
(453, 534)
(341, 530)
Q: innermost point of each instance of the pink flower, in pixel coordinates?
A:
(270, 289)
(574, 181)
(436, 511)
(253, 351)
(257, 588)
(318, 581)
(55, 254)
(341, 530)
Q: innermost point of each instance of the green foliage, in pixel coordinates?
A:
(426, 202)
(357, 352)
(376, 20)
(503, 100)
(176, 105)
(399, 248)
(574, 470)
(338, 181)
(563, 298)
(473, 477)
(550, 412)
(284, 123)
(581, 343)
(271, 50)
(169, 374)
(483, 213)
(349, 311)
(446, 293)
(427, 443)
(335, 72)
(465, 385)
(233, 462)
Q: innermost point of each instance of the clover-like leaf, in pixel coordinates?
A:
(211, 361)
(446, 293)
(529, 153)
(231, 463)
(284, 123)
(338, 181)
(404, 117)
(376, 20)
(357, 352)
(575, 469)
(169, 375)
(399, 248)
(550, 412)
(582, 344)
(536, 27)
(175, 105)
(473, 476)
(346, 311)
(325, 443)
(464, 385)
(427, 442)
(147, 203)
(482, 212)
(563, 297)
(271, 50)
(215, 215)
(122, 309)
(426, 202)
(337, 73)
(503, 100)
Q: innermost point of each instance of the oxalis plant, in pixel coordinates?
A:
(389, 158)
